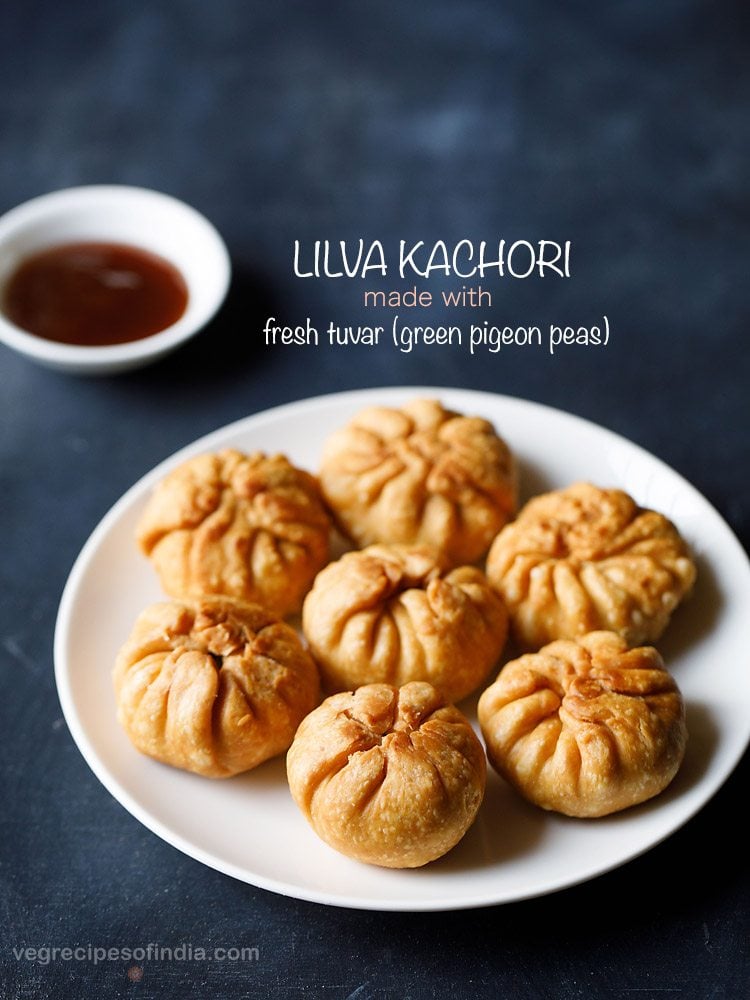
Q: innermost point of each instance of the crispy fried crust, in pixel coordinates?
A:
(420, 475)
(213, 686)
(585, 558)
(585, 727)
(247, 526)
(392, 614)
(393, 777)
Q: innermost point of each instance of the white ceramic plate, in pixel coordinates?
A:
(248, 826)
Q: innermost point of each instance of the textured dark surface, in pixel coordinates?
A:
(623, 130)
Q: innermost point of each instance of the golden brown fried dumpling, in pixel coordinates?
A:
(585, 558)
(247, 526)
(214, 686)
(585, 727)
(392, 614)
(420, 475)
(390, 776)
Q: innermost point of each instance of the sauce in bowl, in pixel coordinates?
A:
(94, 294)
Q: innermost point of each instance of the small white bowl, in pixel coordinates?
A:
(114, 213)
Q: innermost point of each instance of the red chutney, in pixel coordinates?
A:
(93, 294)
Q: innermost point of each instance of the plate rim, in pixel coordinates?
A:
(279, 886)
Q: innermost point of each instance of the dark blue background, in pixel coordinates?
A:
(621, 127)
